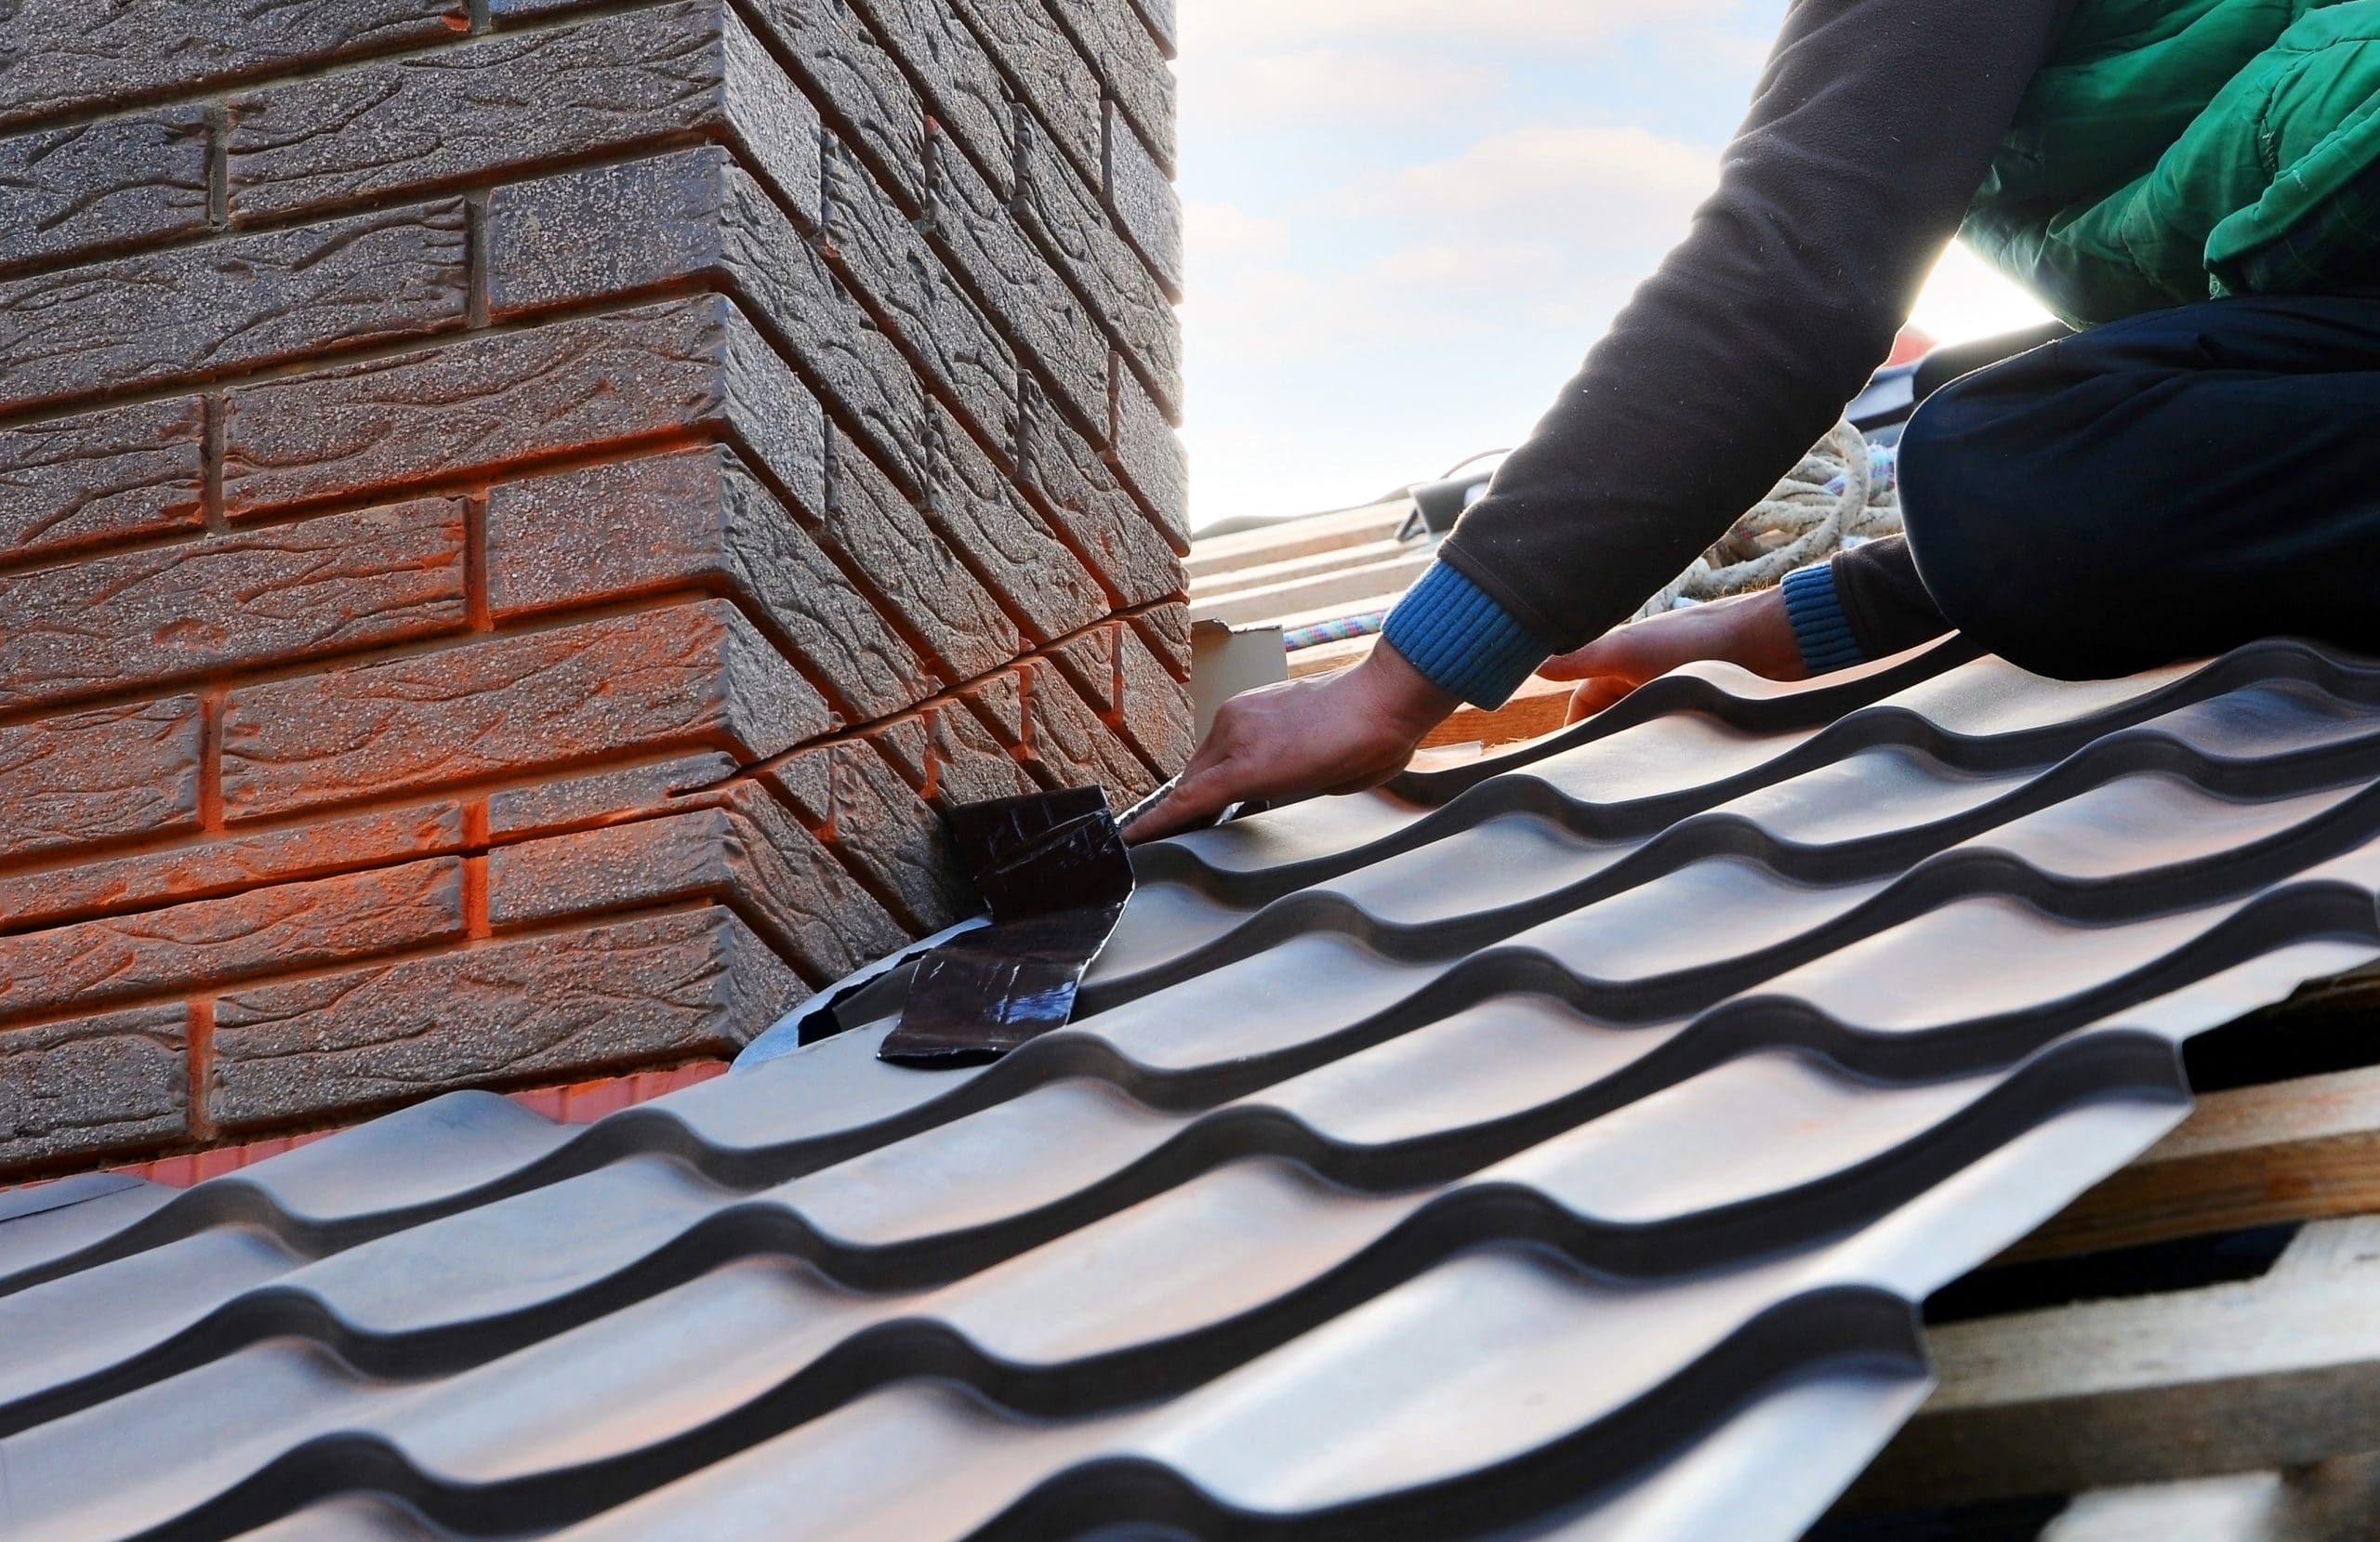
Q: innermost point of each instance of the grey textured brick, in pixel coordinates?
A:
(696, 518)
(976, 509)
(64, 191)
(1152, 709)
(888, 261)
(554, 804)
(56, 55)
(195, 312)
(548, 1008)
(72, 483)
(1128, 63)
(748, 853)
(519, 98)
(1107, 274)
(946, 753)
(1130, 691)
(1149, 454)
(689, 366)
(961, 83)
(837, 61)
(693, 215)
(1149, 210)
(100, 775)
(853, 800)
(1071, 747)
(1159, 16)
(1045, 69)
(308, 590)
(858, 81)
(929, 594)
(989, 247)
(1165, 630)
(94, 1085)
(1124, 548)
(687, 676)
(202, 942)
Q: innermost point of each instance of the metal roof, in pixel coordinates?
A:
(1554, 1148)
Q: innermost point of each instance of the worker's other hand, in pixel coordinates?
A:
(1333, 734)
(1750, 630)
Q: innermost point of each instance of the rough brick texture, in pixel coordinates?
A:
(518, 519)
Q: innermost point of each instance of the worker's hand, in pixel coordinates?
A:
(1333, 734)
(1751, 630)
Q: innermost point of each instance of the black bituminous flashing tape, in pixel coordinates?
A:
(1054, 871)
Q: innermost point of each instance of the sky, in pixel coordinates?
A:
(1408, 219)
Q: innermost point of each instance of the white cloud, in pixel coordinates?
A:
(1602, 188)
(1342, 88)
(1225, 233)
(1217, 25)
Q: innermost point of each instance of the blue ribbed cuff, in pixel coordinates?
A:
(1466, 643)
(1820, 629)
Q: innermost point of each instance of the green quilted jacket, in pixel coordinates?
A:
(2178, 150)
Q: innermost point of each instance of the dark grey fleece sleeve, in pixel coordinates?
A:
(1871, 130)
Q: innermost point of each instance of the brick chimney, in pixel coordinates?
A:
(514, 515)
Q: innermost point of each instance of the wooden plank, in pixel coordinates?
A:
(1537, 708)
(1323, 596)
(2278, 1372)
(1313, 565)
(2299, 1150)
(2333, 1502)
(1324, 657)
(1349, 527)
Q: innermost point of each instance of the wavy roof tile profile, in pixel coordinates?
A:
(1553, 1148)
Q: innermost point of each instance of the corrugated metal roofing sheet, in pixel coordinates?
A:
(1556, 1150)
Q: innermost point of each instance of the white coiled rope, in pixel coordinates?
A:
(1804, 517)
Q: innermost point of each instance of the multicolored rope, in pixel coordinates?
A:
(1339, 630)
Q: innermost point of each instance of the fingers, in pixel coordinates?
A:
(1596, 694)
(1194, 800)
(1582, 664)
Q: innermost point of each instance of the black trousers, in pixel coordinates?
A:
(2161, 488)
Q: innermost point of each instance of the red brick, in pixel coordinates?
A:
(100, 775)
(855, 802)
(750, 854)
(191, 313)
(92, 1086)
(573, 1004)
(691, 367)
(252, 597)
(973, 506)
(290, 926)
(687, 676)
(224, 866)
(70, 482)
(695, 519)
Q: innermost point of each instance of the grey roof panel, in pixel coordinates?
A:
(1552, 1150)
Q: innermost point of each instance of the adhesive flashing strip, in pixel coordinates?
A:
(1053, 869)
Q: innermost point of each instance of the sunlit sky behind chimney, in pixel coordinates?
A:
(1409, 219)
